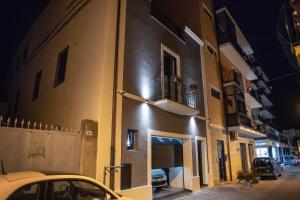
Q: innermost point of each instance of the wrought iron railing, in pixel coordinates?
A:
(237, 119)
(175, 90)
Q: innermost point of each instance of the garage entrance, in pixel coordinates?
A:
(167, 167)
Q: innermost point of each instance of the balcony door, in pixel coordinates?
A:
(171, 75)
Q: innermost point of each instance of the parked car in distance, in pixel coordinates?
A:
(57, 186)
(267, 167)
(159, 178)
(290, 160)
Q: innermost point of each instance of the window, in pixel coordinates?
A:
(37, 83)
(25, 52)
(77, 189)
(35, 191)
(61, 67)
(211, 50)
(131, 139)
(17, 102)
(215, 93)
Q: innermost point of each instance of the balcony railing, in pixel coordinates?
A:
(168, 88)
(238, 119)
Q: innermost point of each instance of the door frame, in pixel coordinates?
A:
(204, 158)
(187, 155)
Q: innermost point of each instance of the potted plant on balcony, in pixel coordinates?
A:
(194, 87)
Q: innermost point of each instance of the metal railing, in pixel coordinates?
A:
(168, 88)
(237, 119)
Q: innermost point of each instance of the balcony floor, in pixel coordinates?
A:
(175, 107)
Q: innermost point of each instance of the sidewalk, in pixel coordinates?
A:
(223, 192)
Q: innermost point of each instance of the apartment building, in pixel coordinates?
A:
(133, 69)
(235, 146)
(273, 145)
(163, 90)
(291, 137)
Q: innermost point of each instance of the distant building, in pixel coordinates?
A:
(292, 136)
(237, 76)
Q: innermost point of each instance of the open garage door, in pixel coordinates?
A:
(166, 152)
(167, 167)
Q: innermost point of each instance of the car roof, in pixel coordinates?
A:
(21, 175)
(33, 174)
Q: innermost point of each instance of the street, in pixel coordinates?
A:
(286, 187)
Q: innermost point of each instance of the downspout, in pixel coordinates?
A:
(114, 100)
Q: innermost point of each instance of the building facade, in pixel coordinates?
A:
(167, 86)
(62, 73)
(274, 144)
(237, 75)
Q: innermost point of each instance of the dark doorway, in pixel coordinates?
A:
(173, 85)
(244, 158)
(222, 160)
(200, 163)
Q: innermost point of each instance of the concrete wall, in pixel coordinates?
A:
(87, 27)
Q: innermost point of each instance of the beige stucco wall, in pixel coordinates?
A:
(87, 91)
(235, 155)
(213, 76)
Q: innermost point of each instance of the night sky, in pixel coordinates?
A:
(256, 18)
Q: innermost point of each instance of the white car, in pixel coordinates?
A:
(53, 186)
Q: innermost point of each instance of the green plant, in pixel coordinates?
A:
(250, 177)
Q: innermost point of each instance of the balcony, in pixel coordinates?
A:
(230, 39)
(243, 125)
(173, 96)
(265, 98)
(266, 112)
(252, 100)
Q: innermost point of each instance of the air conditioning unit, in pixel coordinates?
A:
(234, 135)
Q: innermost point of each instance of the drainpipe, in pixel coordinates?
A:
(114, 102)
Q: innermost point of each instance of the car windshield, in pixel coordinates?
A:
(262, 162)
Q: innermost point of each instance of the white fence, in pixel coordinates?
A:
(32, 146)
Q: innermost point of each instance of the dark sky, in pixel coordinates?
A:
(16, 16)
(256, 18)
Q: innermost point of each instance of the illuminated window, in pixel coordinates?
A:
(37, 83)
(61, 67)
(131, 139)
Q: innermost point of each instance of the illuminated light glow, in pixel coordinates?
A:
(193, 125)
(145, 114)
